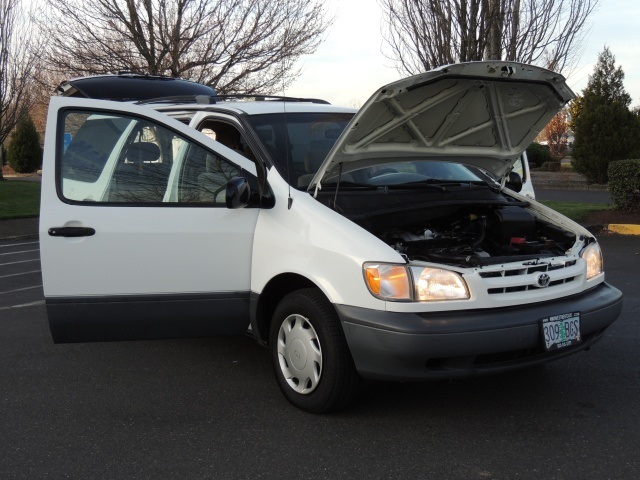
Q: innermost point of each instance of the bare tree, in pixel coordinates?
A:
(423, 34)
(17, 66)
(234, 46)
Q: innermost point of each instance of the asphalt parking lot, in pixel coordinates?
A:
(209, 408)
(20, 277)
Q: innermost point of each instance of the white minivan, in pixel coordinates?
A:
(388, 243)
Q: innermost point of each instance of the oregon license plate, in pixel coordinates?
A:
(560, 331)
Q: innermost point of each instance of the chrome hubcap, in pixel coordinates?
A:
(299, 354)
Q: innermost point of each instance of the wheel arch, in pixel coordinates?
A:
(263, 304)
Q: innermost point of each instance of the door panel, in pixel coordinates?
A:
(166, 258)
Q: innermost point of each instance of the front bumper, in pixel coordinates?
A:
(421, 346)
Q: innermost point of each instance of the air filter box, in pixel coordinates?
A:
(509, 222)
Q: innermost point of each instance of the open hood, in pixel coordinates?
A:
(479, 113)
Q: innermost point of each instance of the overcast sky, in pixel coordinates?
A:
(349, 66)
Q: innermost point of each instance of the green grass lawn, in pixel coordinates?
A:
(19, 199)
(577, 212)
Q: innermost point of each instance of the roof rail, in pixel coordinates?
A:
(201, 99)
(209, 100)
(259, 98)
(155, 76)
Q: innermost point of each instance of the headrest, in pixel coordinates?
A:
(141, 152)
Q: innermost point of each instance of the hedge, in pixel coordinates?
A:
(538, 154)
(551, 167)
(624, 184)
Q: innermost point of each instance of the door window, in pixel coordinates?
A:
(203, 177)
(115, 158)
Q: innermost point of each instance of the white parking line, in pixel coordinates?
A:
(21, 289)
(18, 244)
(18, 274)
(32, 304)
(21, 261)
(23, 251)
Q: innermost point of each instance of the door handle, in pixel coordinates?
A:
(71, 232)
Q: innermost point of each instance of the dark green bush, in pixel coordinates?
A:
(604, 128)
(606, 133)
(550, 167)
(624, 184)
(538, 154)
(24, 152)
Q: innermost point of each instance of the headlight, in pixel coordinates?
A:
(593, 256)
(402, 283)
(387, 281)
(434, 284)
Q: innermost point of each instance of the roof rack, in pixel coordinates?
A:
(210, 100)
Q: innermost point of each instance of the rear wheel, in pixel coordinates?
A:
(310, 356)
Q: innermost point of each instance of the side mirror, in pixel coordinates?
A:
(238, 193)
(514, 182)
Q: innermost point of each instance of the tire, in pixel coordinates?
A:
(309, 354)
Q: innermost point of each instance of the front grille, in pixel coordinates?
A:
(529, 283)
(524, 288)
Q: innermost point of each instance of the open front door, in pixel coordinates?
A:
(136, 241)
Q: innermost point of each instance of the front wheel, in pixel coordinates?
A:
(310, 356)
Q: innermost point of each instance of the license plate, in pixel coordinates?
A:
(560, 331)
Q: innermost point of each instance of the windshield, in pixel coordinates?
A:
(298, 150)
(414, 172)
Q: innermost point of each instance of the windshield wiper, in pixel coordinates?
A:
(442, 184)
(428, 182)
(493, 187)
(349, 184)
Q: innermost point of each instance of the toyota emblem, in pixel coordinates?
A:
(543, 280)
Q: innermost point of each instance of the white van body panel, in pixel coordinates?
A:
(317, 243)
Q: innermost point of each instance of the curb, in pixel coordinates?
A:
(618, 228)
(624, 228)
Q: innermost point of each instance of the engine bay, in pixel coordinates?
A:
(480, 236)
(458, 225)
